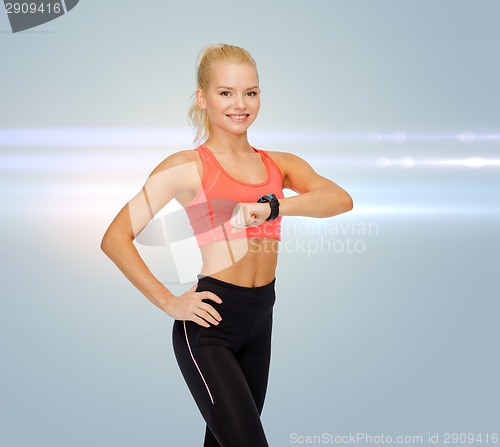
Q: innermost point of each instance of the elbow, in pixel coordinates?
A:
(113, 240)
(348, 203)
(109, 242)
(341, 204)
(105, 243)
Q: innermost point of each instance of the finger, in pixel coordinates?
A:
(235, 223)
(249, 216)
(237, 227)
(238, 218)
(207, 317)
(207, 313)
(200, 321)
(210, 311)
(211, 296)
(256, 221)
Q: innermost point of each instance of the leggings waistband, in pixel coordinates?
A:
(259, 291)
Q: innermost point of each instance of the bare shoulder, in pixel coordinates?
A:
(180, 158)
(287, 161)
(179, 172)
(283, 156)
(298, 174)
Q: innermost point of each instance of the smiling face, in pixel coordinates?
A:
(232, 100)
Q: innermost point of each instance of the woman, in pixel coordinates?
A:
(233, 195)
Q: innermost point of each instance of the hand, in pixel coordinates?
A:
(189, 306)
(247, 215)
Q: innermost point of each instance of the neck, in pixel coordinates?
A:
(228, 143)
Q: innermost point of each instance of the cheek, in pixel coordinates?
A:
(215, 106)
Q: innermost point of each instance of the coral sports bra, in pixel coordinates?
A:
(211, 209)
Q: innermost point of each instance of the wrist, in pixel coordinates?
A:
(162, 298)
(288, 207)
(274, 205)
(167, 303)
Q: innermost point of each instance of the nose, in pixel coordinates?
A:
(239, 102)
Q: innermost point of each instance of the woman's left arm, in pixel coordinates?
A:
(317, 196)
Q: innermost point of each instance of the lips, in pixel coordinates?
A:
(238, 118)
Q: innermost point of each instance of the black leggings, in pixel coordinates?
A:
(226, 367)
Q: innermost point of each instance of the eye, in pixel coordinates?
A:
(225, 93)
(253, 93)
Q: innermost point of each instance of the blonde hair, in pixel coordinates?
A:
(210, 55)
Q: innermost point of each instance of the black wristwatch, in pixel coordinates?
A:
(273, 203)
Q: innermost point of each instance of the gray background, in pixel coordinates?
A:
(396, 101)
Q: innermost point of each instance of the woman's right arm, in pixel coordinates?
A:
(174, 176)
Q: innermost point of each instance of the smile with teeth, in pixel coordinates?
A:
(238, 117)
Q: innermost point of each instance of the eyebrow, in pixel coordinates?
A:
(231, 88)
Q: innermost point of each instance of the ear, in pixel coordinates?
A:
(200, 98)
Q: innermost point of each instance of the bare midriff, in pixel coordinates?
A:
(244, 262)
